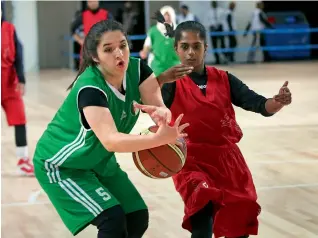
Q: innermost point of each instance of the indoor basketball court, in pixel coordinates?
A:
(281, 152)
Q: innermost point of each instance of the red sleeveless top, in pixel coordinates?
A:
(90, 18)
(211, 116)
(7, 45)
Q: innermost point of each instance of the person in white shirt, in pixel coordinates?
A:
(214, 19)
(186, 15)
(258, 23)
(230, 25)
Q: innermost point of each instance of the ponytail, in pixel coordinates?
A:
(83, 66)
(160, 18)
(85, 62)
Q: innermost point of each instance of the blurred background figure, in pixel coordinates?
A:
(215, 20)
(159, 48)
(129, 18)
(186, 15)
(80, 33)
(12, 91)
(87, 19)
(258, 23)
(230, 25)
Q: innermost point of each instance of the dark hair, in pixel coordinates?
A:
(91, 42)
(160, 18)
(192, 26)
(185, 7)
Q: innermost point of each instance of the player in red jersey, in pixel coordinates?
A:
(12, 90)
(215, 184)
(93, 14)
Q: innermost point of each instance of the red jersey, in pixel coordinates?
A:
(11, 99)
(7, 45)
(215, 169)
(89, 18)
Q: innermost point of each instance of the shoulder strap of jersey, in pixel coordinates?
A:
(134, 69)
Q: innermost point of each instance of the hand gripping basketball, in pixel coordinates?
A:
(168, 159)
(160, 115)
(171, 134)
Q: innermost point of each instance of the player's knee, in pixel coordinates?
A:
(111, 223)
(137, 223)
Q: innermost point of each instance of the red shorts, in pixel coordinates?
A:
(11, 100)
(222, 177)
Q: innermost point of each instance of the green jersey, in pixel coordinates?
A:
(163, 51)
(66, 143)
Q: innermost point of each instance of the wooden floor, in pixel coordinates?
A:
(282, 153)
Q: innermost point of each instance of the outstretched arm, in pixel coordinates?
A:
(249, 100)
(150, 92)
(103, 125)
(152, 98)
(98, 117)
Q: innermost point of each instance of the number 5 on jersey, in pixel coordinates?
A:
(101, 192)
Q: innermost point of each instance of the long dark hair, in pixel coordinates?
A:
(91, 42)
(193, 26)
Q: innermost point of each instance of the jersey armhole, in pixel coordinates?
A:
(79, 112)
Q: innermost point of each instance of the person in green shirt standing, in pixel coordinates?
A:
(158, 47)
(74, 158)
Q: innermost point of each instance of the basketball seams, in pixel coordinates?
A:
(159, 162)
(179, 152)
(142, 167)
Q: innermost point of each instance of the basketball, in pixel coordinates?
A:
(160, 162)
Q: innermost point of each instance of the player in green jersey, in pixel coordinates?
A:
(74, 158)
(158, 47)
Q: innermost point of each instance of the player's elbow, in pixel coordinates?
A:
(109, 144)
(112, 143)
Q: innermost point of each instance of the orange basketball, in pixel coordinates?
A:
(160, 162)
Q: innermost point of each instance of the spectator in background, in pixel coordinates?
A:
(158, 46)
(12, 92)
(88, 18)
(230, 25)
(258, 23)
(214, 19)
(76, 46)
(133, 22)
(186, 15)
(129, 18)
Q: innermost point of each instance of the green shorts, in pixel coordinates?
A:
(80, 195)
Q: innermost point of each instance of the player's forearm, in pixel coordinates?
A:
(18, 63)
(272, 107)
(155, 100)
(161, 79)
(151, 93)
(146, 49)
(127, 143)
(78, 39)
